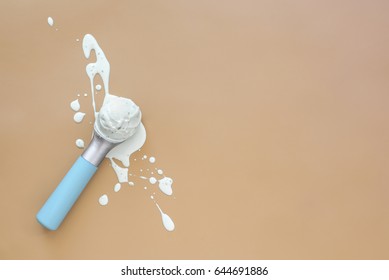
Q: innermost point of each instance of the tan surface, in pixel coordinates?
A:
(270, 116)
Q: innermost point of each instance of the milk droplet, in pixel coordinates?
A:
(166, 220)
(123, 151)
(78, 117)
(152, 180)
(143, 177)
(103, 200)
(165, 185)
(98, 87)
(117, 187)
(77, 40)
(75, 105)
(145, 188)
(80, 143)
(152, 159)
(160, 172)
(50, 21)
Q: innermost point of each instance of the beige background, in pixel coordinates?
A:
(270, 116)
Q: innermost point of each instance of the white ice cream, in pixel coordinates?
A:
(118, 119)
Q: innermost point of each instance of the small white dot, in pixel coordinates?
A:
(117, 187)
(152, 159)
(152, 180)
(50, 21)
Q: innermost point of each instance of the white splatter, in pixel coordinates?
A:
(80, 143)
(166, 220)
(165, 185)
(50, 21)
(117, 187)
(103, 200)
(78, 117)
(75, 105)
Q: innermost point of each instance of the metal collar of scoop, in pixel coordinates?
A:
(97, 149)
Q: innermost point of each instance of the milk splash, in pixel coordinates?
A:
(75, 105)
(123, 151)
(80, 143)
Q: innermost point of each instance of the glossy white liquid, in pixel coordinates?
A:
(166, 220)
(78, 117)
(117, 187)
(50, 21)
(75, 105)
(121, 173)
(103, 200)
(80, 143)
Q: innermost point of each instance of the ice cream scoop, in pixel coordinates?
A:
(117, 121)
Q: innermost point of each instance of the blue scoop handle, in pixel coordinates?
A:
(66, 194)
